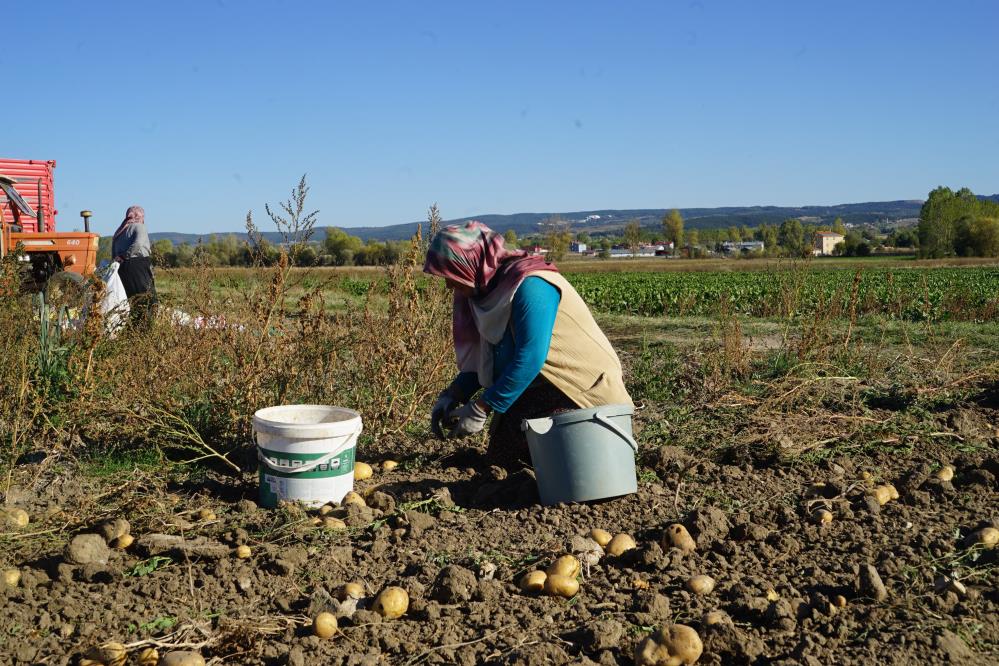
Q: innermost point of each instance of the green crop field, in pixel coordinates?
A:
(915, 294)
(918, 293)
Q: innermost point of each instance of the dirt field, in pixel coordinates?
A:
(441, 525)
(457, 534)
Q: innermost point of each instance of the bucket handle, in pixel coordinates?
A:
(617, 430)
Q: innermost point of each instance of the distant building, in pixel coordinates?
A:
(743, 247)
(825, 243)
(577, 247)
(644, 250)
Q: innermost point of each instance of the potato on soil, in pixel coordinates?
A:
(123, 542)
(946, 473)
(11, 577)
(109, 654)
(882, 494)
(206, 515)
(564, 565)
(987, 537)
(558, 585)
(602, 537)
(389, 465)
(619, 544)
(332, 523)
(533, 582)
(678, 645)
(148, 657)
(716, 617)
(352, 590)
(393, 602)
(700, 584)
(243, 552)
(182, 658)
(325, 510)
(680, 538)
(362, 471)
(324, 625)
(822, 516)
(353, 498)
(14, 518)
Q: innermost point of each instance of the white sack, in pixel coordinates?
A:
(114, 305)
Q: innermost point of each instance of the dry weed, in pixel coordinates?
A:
(191, 383)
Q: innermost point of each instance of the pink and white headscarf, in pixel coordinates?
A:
(474, 255)
(134, 215)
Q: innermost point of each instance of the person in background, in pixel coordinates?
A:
(521, 333)
(131, 249)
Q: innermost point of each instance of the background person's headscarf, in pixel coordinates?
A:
(475, 255)
(134, 215)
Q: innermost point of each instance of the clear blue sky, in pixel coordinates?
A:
(203, 109)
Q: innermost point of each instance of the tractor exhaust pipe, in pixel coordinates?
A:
(40, 214)
(86, 215)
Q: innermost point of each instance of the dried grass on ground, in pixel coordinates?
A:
(191, 390)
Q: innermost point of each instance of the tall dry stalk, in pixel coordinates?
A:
(294, 224)
(854, 290)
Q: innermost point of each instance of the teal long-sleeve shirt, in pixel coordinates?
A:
(520, 355)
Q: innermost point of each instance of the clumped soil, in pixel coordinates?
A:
(457, 533)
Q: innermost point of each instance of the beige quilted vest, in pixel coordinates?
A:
(581, 361)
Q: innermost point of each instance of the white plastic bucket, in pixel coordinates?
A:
(306, 453)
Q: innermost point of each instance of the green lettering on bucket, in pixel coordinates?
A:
(342, 463)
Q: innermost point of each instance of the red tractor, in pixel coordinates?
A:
(51, 260)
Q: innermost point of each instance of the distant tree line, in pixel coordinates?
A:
(790, 238)
(950, 224)
(337, 249)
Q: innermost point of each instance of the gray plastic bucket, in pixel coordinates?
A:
(585, 454)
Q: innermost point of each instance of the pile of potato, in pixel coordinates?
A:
(363, 471)
(560, 579)
(116, 654)
(615, 545)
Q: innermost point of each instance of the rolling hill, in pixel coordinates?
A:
(611, 220)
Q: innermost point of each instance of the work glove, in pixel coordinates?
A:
(470, 420)
(445, 403)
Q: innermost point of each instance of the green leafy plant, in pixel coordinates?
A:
(146, 567)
